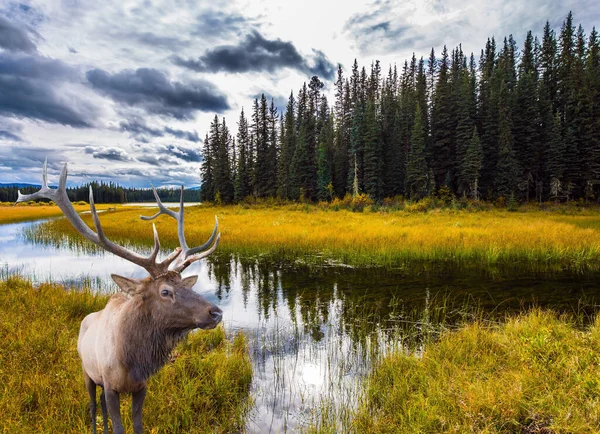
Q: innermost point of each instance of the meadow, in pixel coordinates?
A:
(204, 390)
(533, 373)
(9, 213)
(529, 239)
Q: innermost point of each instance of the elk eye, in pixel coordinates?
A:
(165, 293)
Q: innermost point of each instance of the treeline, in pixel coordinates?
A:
(522, 124)
(107, 193)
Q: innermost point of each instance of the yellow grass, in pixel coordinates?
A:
(535, 374)
(204, 390)
(19, 213)
(533, 239)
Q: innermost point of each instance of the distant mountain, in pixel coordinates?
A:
(193, 188)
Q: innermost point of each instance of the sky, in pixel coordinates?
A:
(124, 91)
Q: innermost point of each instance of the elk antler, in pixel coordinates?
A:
(188, 255)
(59, 196)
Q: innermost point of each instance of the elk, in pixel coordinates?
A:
(122, 345)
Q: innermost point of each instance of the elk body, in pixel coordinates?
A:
(122, 345)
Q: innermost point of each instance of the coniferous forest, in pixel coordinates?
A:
(512, 122)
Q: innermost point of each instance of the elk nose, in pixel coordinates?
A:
(216, 314)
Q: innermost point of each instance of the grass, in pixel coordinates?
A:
(535, 373)
(205, 389)
(533, 240)
(9, 213)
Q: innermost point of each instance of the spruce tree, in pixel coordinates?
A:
(470, 168)
(416, 168)
(242, 173)
(507, 169)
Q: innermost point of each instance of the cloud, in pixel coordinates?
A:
(185, 153)
(392, 26)
(255, 53)
(153, 91)
(15, 38)
(31, 159)
(10, 130)
(139, 130)
(9, 136)
(36, 87)
(152, 39)
(108, 153)
(222, 24)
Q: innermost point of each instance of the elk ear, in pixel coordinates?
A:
(189, 282)
(126, 284)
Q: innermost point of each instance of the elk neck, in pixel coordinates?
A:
(146, 339)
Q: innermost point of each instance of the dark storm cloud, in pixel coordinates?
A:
(14, 37)
(107, 153)
(256, 53)
(139, 130)
(153, 91)
(30, 87)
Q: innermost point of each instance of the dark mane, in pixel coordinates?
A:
(147, 341)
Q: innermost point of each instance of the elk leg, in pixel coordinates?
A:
(91, 388)
(114, 409)
(104, 411)
(138, 402)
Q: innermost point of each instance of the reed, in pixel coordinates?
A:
(204, 390)
(533, 240)
(537, 372)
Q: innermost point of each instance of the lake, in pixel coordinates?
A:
(315, 331)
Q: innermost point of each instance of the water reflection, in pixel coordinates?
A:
(312, 331)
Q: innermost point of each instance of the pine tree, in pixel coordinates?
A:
(416, 168)
(442, 125)
(555, 165)
(373, 184)
(324, 156)
(207, 189)
(526, 120)
(466, 96)
(507, 169)
(288, 147)
(590, 118)
(242, 174)
(470, 168)
(222, 168)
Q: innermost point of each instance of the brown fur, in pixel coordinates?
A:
(122, 345)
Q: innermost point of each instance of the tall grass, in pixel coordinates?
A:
(532, 240)
(535, 373)
(37, 210)
(204, 390)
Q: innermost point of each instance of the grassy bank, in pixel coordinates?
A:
(536, 373)
(535, 240)
(9, 213)
(205, 390)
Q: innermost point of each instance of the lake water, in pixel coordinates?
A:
(312, 330)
